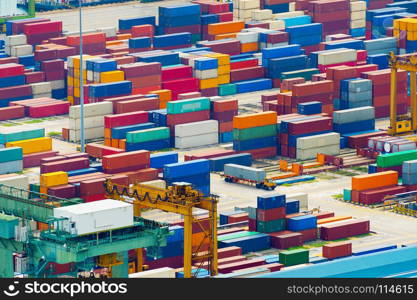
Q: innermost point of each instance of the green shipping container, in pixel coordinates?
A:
(231, 236)
(195, 38)
(347, 194)
(270, 226)
(188, 105)
(21, 135)
(294, 257)
(227, 89)
(255, 132)
(395, 159)
(11, 154)
(305, 73)
(147, 135)
(7, 225)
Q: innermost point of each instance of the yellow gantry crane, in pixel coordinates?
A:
(406, 123)
(179, 199)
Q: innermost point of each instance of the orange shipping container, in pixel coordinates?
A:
(107, 133)
(225, 27)
(332, 219)
(164, 95)
(255, 120)
(124, 36)
(225, 36)
(115, 143)
(376, 180)
(249, 47)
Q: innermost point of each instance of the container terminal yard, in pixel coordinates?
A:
(204, 139)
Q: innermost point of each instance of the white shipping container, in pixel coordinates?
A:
(301, 197)
(246, 4)
(90, 75)
(43, 95)
(165, 272)
(57, 84)
(358, 6)
(289, 14)
(269, 45)
(96, 216)
(247, 37)
(276, 25)
(358, 24)
(317, 141)
(245, 13)
(261, 14)
(92, 122)
(92, 110)
(16, 40)
(291, 6)
(159, 183)
(205, 74)
(109, 31)
(41, 88)
(15, 180)
(21, 50)
(358, 15)
(196, 128)
(334, 57)
(196, 140)
(90, 134)
(304, 154)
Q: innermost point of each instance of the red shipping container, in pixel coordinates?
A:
(309, 234)
(88, 39)
(247, 73)
(225, 127)
(11, 69)
(286, 241)
(225, 17)
(177, 72)
(222, 261)
(126, 119)
(309, 126)
(323, 214)
(34, 159)
(274, 267)
(52, 159)
(208, 154)
(336, 250)
(250, 63)
(92, 187)
(52, 109)
(176, 119)
(93, 198)
(65, 165)
(238, 218)
(142, 30)
(361, 140)
(193, 29)
(12, 112)
(313, 88)
(34, 77)
(252, 224)
(148, 174)
(126, 160)
(374, 196)
(229, 46)
(98, 151)
(44, 27)
(228, 268)
(329, 232)
(258, 25)
(9, 60)
(140, 69)
(262, 152)
(63, 191)
(265, 215)
(144, 104)
(182, 85)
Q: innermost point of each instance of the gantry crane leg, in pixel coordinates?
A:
(188, 245)
(393, 102)
(413, 101)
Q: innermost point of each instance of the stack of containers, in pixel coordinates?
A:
(42, 107)
(11, 160)
(248, 41)
(223, 71)
(371, 189)
(51, 180)
(381, 91)
(140, 44)
(409, 173)
(145, 77)
(405, 31)
(256, 134)
(272, 38)
(354, 120)
(55, 73)
(73, 77)
(311, 91)
(103, 70)
(187, 111)
(93, 122)
(125, 162)
(357, 18)
(195, 172)
(355, 93)
(36, 33)
(377, 21)
(206, 70)
(335, 57)
(16, 45)
(93, 43)
(127, 119)
(148, 139)
(394, 161)
(180, 18)
(381, 46)
(242, 9)
(34, 145)
(225, 30)
(278, 6)
(100, 92)
(12, 88)
(308, 147)
(172, 41)
(334, 15)
(307, 36)
(196, 134)
(217, 163)
(270, 213)
(126, 25)
(297, 126)
(304, 224)
(119, 133)
(223, 111)
(340, 230)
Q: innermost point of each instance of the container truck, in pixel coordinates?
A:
(247, 175)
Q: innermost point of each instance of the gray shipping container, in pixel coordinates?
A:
(359, 104)
(409, 178)
(357, 86)
(304, 154)
(244, 172)
(354, 115)
(11, 167)
(410, 166)
(361, 96)
(382, 43)
(317, 141)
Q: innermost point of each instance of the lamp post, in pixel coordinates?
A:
(82, 137)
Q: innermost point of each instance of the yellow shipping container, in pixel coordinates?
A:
(411, 35)
(411, 24)
(223, 70)
(77, 74)
(209, 83)
(223, 59)
(112, 76)
(76, 60)
(33, 145)
(54, 179)
(396, 32)
(223, 79)
(77, 92)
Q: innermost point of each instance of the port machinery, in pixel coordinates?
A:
(180, 198)
(107, 249)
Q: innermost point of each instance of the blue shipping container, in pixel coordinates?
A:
(159, 160)
(270, 201)
(189, 168)
(302, 223)
(217, 163)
